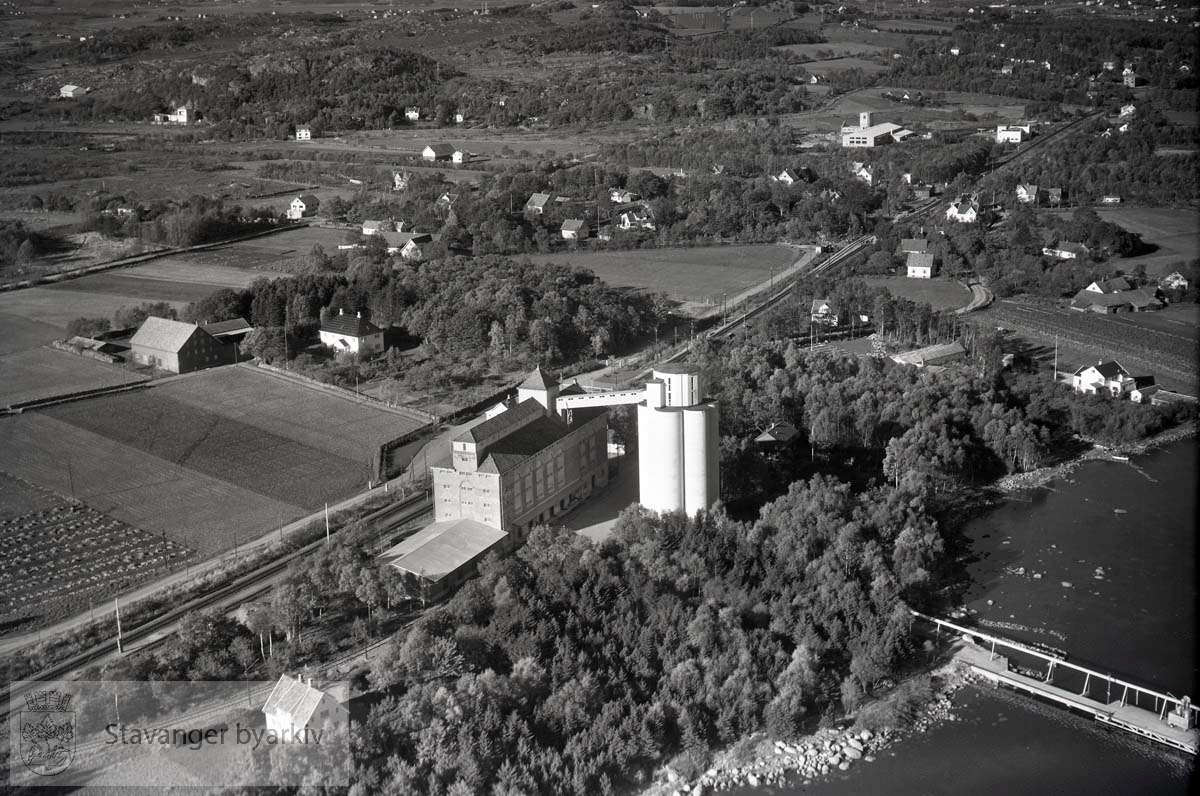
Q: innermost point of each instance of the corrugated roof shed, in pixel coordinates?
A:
(444, 547)
(163, 334)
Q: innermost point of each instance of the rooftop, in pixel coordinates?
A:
(527, 440)
(538, 379)
(443, 547)
(293, 698)
(920, 260)
(914, 244)
(933, 353)
(677, 367)
(163, 334)
(513, 418)
(349, 325)
(231, 326)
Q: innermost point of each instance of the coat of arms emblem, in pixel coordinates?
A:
(47, 732)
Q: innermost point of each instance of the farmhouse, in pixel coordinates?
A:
(920, 265)
(304, 133)
(177, 347)
(934, 355)
(1141, 300)
(357, 335)
(371, 227)
(435, 152)
(908, 245)
(295, 703)
(70, 91)
(303, 206)
(182, 114)
(1108, 378)
(460, 156)
(963, 211)
(1117, 284)
(407, 244)
(537, 203)
(574, 229)
(1027, 193)
(620, 196)
(413, 114)
(824, 313)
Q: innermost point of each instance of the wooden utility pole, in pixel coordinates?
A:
(117, 603)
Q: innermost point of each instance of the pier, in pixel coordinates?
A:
(1165, 719)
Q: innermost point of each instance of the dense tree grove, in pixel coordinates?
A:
(577, 668)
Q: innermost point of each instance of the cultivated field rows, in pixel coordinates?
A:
(44, 372)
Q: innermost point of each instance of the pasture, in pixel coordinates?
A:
(61, 555)
(54, 307)
(1174, 231)
(684, 274)
(941, 294)
(44, 372)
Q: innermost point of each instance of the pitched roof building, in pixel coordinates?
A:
(354, 334)
(177, 347)
(295, 704)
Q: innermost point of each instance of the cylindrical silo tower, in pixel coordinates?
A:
(678, 443)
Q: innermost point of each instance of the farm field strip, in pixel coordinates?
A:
(59, 306)
(190, 269)
(136, 289)
(941, 294)
(701, 274)
(20, 334)
(220, 447)
(43, 372)
(192, 509)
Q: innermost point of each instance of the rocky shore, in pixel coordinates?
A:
(1044, 475)
(811, 758)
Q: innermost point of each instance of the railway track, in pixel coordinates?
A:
(229, 595)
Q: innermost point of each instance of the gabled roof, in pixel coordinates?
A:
(780, 432)
(914, 245)
(819, 304)
(538, 379)
(232, 326)
(538, 200)
(441, 150)
(308, 199)
(163, 334)
(294, 699)
(372, 225)
(1028, 188)
(522, 413)
(532, 438)
(573, 225)
(1109, 370)
(920, 260)
(349, 325)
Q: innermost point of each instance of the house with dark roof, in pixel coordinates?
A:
(908, 245)
(1103, 378)
(303, 206)
(777, 438)
(232, 331)
(356, 334)
(1116, 284)
(574, 229)
(295, 704)
(177, 347)
(435, 152)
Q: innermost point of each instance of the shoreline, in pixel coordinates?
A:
(1043, 475)
(811, 758)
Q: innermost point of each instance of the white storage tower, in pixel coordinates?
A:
(678, 438)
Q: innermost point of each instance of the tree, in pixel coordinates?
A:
(87, 327)
(266, 343)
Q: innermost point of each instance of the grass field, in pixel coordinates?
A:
(56, 307)
(941, 294)
(61, 555)
(829, 66)
(697, 275)
(1176, 232)
(44, 372)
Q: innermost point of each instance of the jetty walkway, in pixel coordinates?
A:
(1165, 719)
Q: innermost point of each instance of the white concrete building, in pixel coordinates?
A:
(872, 136)
(357, 335)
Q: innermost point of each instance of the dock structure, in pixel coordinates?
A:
(1172, 721)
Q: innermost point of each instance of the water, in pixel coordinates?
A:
(1137, 619)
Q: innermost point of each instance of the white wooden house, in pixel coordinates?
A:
(296, 705)
(574, 229)
(962, 211)
(1103, 378)
(413, 114)
(304, 133)
(303, 206)
(356, 334)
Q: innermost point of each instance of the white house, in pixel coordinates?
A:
(460, 156)
(1027, 193)
(303, 206)
(1011, 134)
(1128, 111)
(303, 133)
(537, 203)
(955, 51)
(620, 196)
(1067, 250)
(824, 313)
(344, 333)
(1174, 281)
(636, 219)
(920, 265)
(183, 114)
(434, 152)
(787, 177)
(459, 117)
(1110, 200)
(295, 705)
(1107, 378)
(574, 229)
(400, 180)
(413, 114)
(373, 227)
(963, 212)
(70, 91)
(863, 171)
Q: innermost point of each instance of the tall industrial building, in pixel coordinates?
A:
(678, 437)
